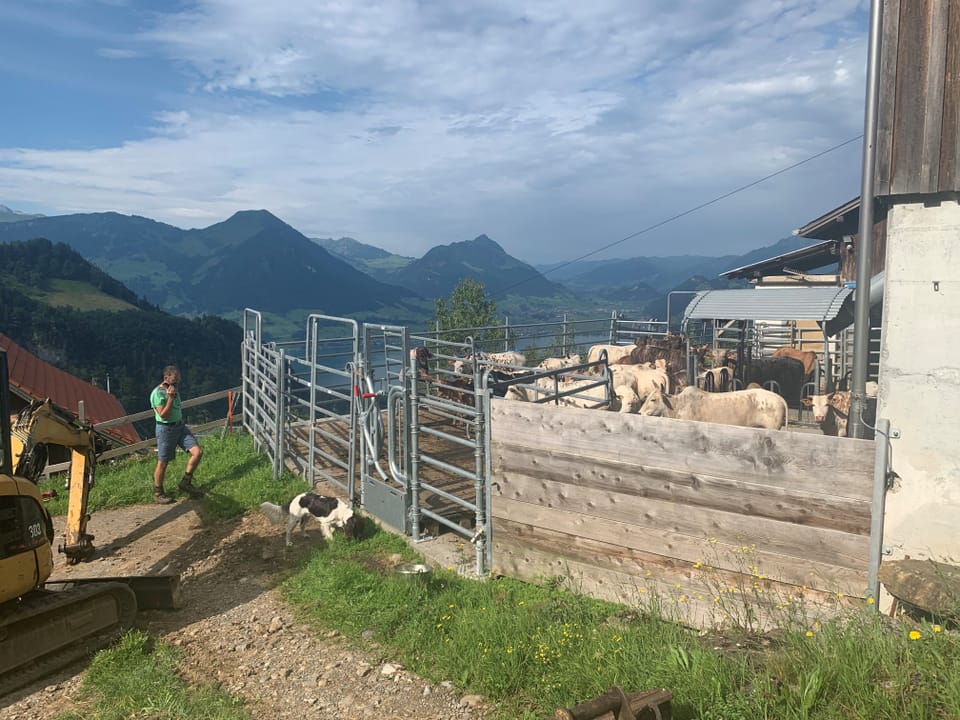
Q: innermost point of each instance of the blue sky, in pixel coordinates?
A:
(554, 126)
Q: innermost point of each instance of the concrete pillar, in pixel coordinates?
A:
(920, 378)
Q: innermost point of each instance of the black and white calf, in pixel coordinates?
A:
(330, 512)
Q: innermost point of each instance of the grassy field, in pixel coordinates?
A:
(534, 648)
(77, 294)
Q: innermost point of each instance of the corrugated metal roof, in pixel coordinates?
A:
(808, 258)
(39, 380)
(813, 303)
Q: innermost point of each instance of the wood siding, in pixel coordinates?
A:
(847, 267)
(918, 122)
(623, 506)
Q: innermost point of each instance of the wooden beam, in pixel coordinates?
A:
(908, 134)
(937, 23)
(792, 555)
(887, 96)
(815, 463)
(949, 180)
(642, 580)
(522, 474)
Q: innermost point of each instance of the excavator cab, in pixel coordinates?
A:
(26, 529)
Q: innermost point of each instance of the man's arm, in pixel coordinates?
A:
(164, 410)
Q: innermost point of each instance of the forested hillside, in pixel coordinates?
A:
(131, 345)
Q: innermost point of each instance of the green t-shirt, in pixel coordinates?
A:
(158, 398)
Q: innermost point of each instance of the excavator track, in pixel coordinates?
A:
(51, 629)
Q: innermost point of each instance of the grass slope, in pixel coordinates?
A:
(77, 294)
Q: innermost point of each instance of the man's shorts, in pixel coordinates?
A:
(170, 437)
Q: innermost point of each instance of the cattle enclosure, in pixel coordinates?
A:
(618, 506)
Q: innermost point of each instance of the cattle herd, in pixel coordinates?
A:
(650, 378)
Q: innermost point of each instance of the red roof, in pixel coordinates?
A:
(40, 380)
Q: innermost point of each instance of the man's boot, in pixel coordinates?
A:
(186, 486)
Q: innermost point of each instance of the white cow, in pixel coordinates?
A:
(625, 399)
(642, 378)
(558, 363)
(495, 361)
(747, 408)
(615, 353)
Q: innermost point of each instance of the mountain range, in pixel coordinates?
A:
(10, 215)
(253, 259)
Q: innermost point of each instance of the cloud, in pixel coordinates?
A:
(117, 53)
(551, 126)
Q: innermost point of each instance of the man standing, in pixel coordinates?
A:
(172, 433)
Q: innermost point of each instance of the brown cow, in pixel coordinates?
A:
(807, 357)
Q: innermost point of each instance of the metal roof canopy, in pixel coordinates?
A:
(844, 220)
(812, 303)
(808, 258)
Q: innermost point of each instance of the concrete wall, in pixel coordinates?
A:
(920, 379)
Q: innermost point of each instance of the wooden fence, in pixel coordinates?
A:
(697, 515)
(233, 394)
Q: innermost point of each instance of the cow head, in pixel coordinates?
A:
(627, 399)
(820, 404)
(657, 404)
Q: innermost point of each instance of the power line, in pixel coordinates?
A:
(692, 210)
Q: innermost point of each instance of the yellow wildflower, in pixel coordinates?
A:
(915, 635)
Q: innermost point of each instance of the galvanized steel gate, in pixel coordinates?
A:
(345, 404)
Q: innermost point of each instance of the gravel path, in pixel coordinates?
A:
(234, 628)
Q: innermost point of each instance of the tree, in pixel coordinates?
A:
(468, 312)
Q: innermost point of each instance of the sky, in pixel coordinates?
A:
(556, 127)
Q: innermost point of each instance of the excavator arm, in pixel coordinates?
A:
(40, 424)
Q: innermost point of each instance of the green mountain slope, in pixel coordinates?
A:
(69, 313)
(481, 259)
(369, 259)
(251, 259)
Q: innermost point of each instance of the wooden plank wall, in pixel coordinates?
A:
(625, 506)
(847, 263)
(918, 123)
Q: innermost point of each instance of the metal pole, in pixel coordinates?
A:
(878, 508)
(861, 327)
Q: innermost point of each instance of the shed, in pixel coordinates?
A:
(801, 303)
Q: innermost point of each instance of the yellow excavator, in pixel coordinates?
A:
(46, 625)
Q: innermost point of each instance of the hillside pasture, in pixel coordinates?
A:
(78, 295)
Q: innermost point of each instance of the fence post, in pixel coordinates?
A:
(613, 327)
(563, 342)
(506, 333)
(281, 411)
